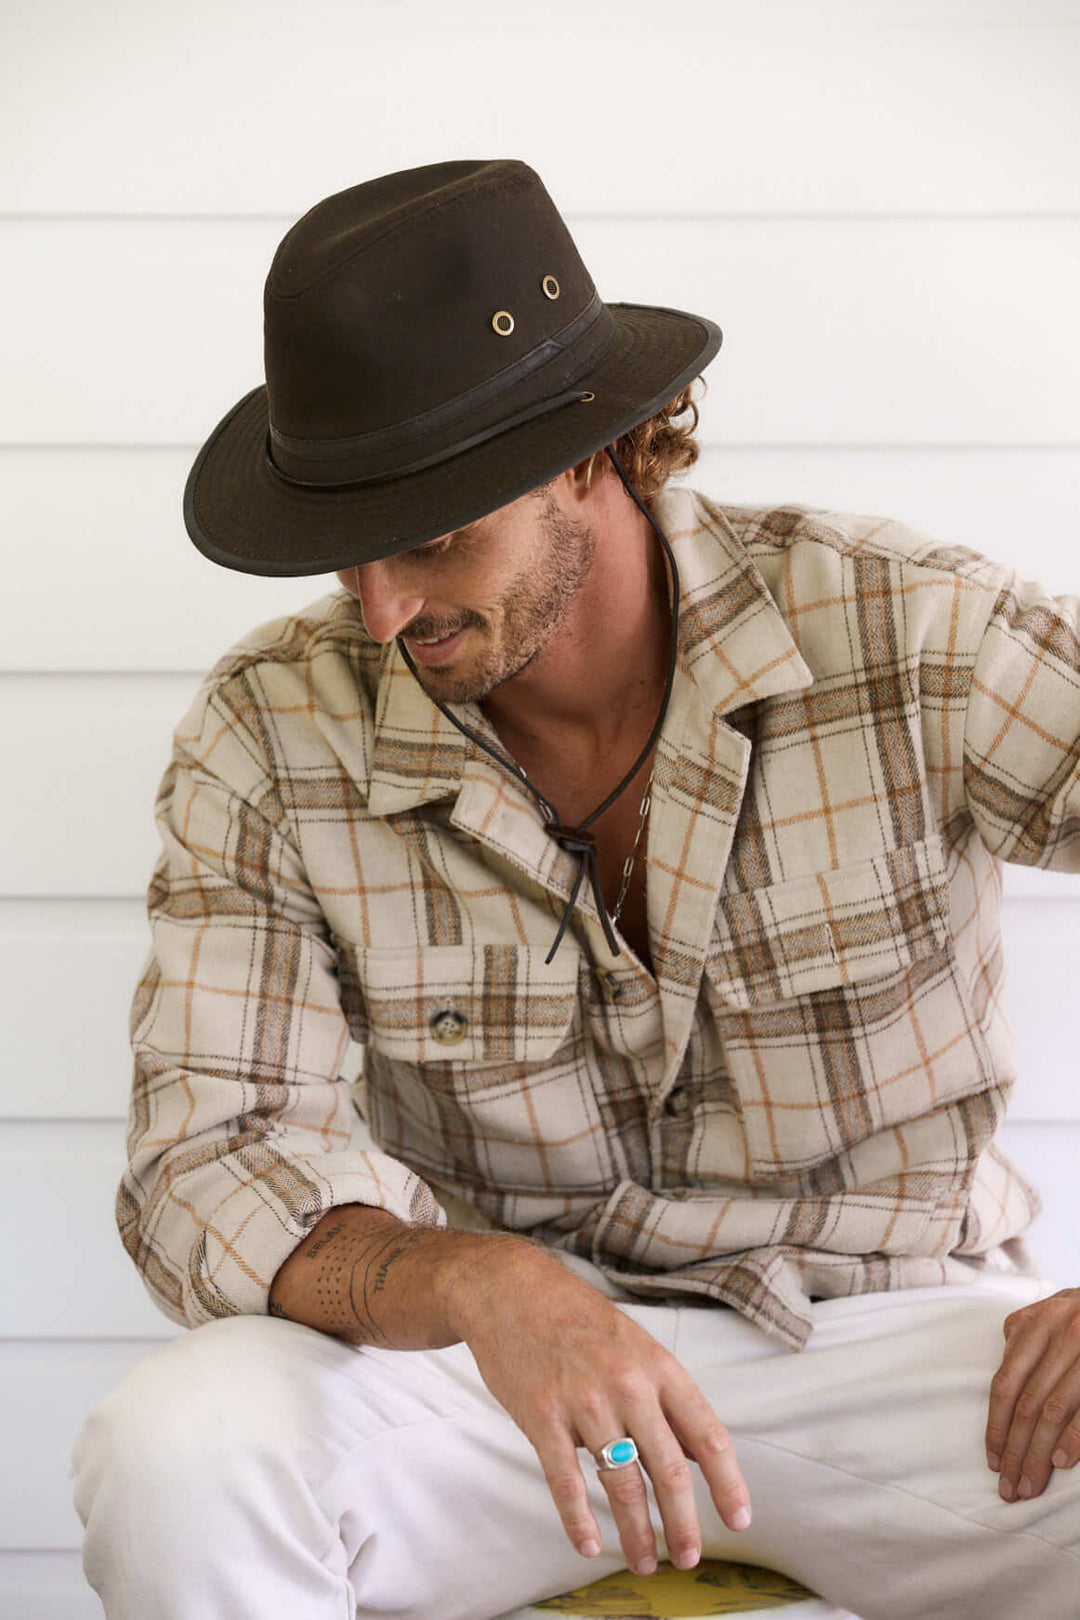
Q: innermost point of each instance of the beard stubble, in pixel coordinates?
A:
(530, 612)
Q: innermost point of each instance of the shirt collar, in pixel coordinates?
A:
(734, 645)
(733, 640)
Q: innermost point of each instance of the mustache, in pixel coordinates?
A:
(428, 629)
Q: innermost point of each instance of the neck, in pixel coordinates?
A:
(603, 672)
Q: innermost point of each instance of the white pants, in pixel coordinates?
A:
(255, 1469)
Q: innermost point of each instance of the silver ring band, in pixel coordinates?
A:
(617, 1454)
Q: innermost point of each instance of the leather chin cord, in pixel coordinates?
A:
(579, 840)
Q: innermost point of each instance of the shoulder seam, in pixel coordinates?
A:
(777, 528)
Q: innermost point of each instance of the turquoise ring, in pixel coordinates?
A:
(617, 1454)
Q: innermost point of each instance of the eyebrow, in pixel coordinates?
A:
(455, 534)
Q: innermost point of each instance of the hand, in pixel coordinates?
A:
(1034, 1422)
(572, 1370)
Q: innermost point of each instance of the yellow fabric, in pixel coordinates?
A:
(712, 1588)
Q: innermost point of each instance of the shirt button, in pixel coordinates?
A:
(449, 1026)
(678, 1102)
(610, 984)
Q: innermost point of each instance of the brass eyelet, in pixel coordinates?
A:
(550, 286)
(503, 322)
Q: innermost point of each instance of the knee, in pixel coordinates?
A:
(193, 1410)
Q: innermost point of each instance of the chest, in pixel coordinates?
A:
(574, 787)
(575, 782)
(620, 838)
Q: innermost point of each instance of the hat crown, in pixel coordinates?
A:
(435, 349)
(381, 302)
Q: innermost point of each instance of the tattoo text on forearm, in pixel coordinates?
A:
(358, 1268)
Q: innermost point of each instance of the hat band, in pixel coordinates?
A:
(390, 452)
(581, 396)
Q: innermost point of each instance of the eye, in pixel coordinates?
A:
(435, 548)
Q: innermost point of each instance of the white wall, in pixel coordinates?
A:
(880, 204)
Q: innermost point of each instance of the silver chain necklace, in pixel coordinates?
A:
(628, 864)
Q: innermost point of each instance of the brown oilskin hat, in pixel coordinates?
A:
(435, 348)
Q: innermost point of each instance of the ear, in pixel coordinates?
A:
(586, 476)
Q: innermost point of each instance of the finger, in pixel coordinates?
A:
(673, 1486)
(566, 1483)
(705, 1439)
(1045, 1364)
(1023, 1353)
(1057, 1421)
(625, 1488)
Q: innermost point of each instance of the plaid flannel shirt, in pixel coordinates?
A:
(802, 1102)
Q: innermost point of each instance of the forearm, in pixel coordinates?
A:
(364, 1276)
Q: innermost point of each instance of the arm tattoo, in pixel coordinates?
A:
(320, 1242)
(356, 1269)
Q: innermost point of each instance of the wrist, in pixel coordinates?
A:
(478, 1270)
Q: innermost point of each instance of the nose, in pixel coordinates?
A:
(386, 607)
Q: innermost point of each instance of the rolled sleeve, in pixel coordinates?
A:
(242, 1133)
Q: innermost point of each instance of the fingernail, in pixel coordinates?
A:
(646, 1566)
(1005, 1489)
(590, 1549)
(687, 1560)
(993, 1461)
(1025, 1486)
(1060, 1459)
(741, 1521)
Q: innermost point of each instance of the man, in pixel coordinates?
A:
(651, 851)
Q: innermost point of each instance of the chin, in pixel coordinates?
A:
(454, 686)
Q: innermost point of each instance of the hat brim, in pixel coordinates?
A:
(241, 514)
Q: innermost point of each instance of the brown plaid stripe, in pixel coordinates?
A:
(802, 1101)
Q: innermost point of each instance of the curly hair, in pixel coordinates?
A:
(663, 445)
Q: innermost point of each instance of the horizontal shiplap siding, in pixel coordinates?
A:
(838, 331)
(879, 205)
(853, 107)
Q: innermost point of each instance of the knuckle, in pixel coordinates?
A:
(1072, 1327)
(630, 1388)
(1001, 1385)
(674, 1472)
(1011, 1460)
(566, 1487)
(1055, 1410)
(714, 1441)
(1028, 1406)
(591, 1406)
(544, 1411)
(626, 1488)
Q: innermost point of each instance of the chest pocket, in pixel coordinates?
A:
(832, 928)
(479, 1006)
(839, 1006)
(474, 1063)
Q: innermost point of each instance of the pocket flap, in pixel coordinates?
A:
(831, 929)
(483, 1004)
